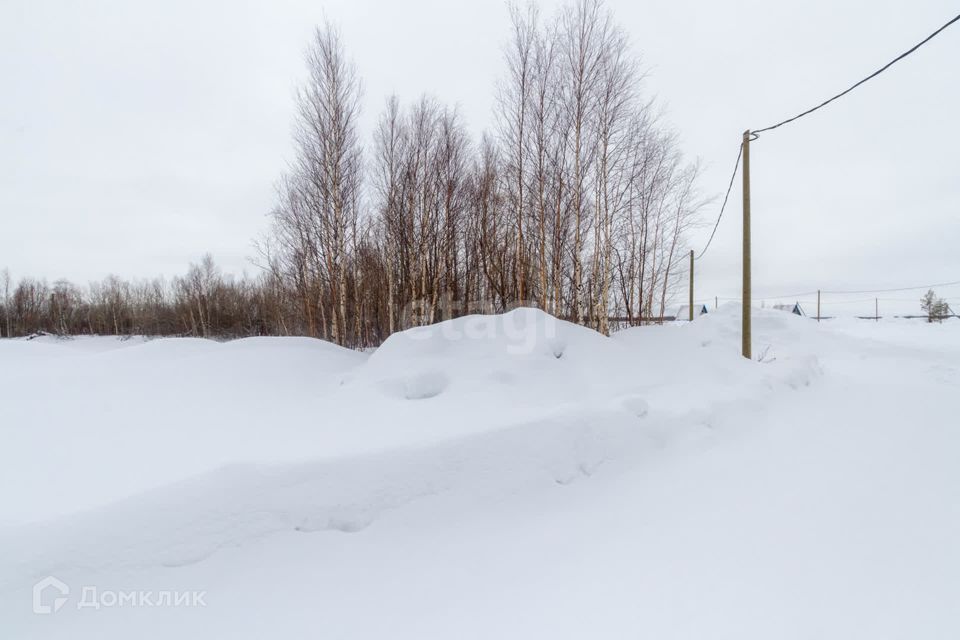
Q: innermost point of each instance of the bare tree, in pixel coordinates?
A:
(329, 166)
(585, 28)
(7, 311)
(514, 97)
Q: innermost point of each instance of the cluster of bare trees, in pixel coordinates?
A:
(203, 302)
(577, 203)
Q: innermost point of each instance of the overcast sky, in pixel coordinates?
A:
(134, 136)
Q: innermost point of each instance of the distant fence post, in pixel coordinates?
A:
(818, 305)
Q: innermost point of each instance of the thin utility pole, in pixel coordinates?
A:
(745, 328)
(818, 305)
(691, 285)
(876, 310)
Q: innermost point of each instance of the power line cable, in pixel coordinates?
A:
(869, 77)
(789, 295)
(856, 301)
(910, 299)
(808, 112)
(923, 286)
(800, 294)
(736, 166)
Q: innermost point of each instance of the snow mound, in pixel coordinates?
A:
(521, 333)
(490, 477)
(524, 357)
(214, 445)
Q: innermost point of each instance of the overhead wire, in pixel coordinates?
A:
(726, 197)
(754, 134)
(923, 286)
(860, 82)
(797, 296)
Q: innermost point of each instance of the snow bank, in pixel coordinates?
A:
(306, 435)
(87, 426)
(525, 475)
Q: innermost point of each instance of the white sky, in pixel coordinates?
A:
(136, 136)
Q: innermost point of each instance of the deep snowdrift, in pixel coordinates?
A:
(166, 464)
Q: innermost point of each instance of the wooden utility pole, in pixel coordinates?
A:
(818, 305)
(876, 310)
(691, 285)
(745, 328)
(716, 302)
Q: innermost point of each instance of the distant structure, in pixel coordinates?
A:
(683, 313)
(794, 308)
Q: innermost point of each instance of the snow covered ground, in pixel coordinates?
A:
(492, 477)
